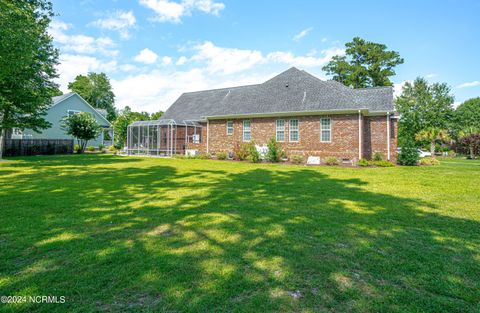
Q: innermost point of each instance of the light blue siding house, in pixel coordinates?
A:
(63, 106)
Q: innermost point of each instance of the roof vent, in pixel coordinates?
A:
(286, 85)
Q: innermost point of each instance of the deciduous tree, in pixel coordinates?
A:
(27, 65)
(83, 126)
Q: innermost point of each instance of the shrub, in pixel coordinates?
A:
(377, 156)
(452, 153)
(331, 161)
(383, 163)
(203, 156)
(297, 159)
(363, 162)
(77, 148)
(91, 148)
(222, 155)
(408, 155)
(240, 151)
(101, 147)
(112, 149)
(253, 154)
(429, 161)
(274, 151)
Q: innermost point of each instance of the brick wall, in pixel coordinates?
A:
(344, 139)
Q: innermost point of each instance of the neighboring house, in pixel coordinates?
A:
(63, 106)
(306, 115)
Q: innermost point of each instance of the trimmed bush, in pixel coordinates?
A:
(101, 147)
(91, 148)
(383, 163)
(203, 156)
(429, 161)
(253, 155)
(274, 151)
(222, 155)
(377, 156)
(363, 162)
(408, 155)
(297, 159)
(240, 151)
(331, 161)
(77, 148)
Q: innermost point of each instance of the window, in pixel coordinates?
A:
(325, 129)
(72, 112)
(293, 130)
(280, 130)
(247, 135)
(230, 128)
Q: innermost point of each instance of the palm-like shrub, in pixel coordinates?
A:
(432, 134)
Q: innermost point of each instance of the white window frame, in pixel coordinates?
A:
(247, 130)
(229, 128)
(280, 129)
(322, 129)
(73, 112)
(291, 130)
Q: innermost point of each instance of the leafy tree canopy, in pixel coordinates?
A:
(365, 64)
(82, 126)
(27, 64)
(423, 106)
(95, 88)
(125, 118)
(467, 117)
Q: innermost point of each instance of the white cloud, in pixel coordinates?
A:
(181, 60)
(146, 56)
(302, 34)
(167, 60)
(304, 61)
(475, 83)
(431, 75)
(226, 60)
(324, 39)
(72, 65)
(120, 21)
(170, 11)
(80, 43)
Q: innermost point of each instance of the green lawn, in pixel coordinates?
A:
(167, 235)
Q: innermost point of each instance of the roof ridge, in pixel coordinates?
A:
(218, 89)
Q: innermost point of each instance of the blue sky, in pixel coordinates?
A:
(153, 50)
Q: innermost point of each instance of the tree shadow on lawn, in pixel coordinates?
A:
(165, 238)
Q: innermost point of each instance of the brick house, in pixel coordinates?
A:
(306, 115)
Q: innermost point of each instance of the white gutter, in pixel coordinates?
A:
(208, 124)
(359, 134)
(388, 136)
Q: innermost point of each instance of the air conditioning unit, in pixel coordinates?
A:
(191, 152)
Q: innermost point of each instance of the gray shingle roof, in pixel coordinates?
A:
(291, 91)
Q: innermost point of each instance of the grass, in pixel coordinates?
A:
(115, 233)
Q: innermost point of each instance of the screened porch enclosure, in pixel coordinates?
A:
(162, 137)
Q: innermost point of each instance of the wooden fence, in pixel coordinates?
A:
(22, 147)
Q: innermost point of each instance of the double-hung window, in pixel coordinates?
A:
(229, 127)
(247, 135)
(293, 130)
(325, 129)
(280, 130)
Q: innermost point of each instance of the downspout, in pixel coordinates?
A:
(208, 133)
(388, 136)
(359, 134)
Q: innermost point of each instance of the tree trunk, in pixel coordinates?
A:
(472, 152)
(432, 148)
(2, 139)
